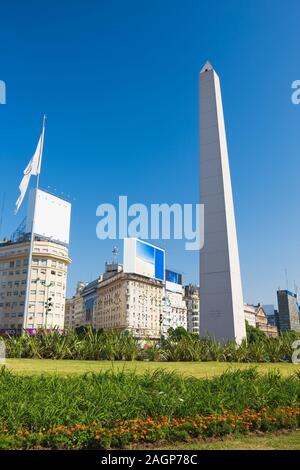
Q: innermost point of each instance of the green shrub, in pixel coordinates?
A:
(37, 402)
(90, 344)
(108, 409)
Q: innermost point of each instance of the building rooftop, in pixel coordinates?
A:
(287, 292)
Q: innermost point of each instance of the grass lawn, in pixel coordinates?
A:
(279, 441)
(196, 369)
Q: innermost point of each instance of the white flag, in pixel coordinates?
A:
(33, 168)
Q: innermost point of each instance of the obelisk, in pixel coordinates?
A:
(221, 297)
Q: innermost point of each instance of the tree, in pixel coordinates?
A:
(177, 334)
(254, 335)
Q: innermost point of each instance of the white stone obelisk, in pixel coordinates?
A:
(221, 298)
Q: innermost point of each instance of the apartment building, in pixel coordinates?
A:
(48, 280)
(192, 300)
(74, 309)
(174, 311)
(121, 301)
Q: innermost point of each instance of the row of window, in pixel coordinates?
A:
(20, 314)
(15, 283)
(58, 295)
(48, 262)
(13, 273)
(22, 293)
(13, 304)
(13, 264)
(43, 282)
(46, 250)
(36, 250)
(14, 293)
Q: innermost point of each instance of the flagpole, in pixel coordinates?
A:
(28, 282)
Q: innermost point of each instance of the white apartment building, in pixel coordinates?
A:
(174, 311)
(48, 279)
(192, 301)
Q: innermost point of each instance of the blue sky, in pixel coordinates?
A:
(118, 81)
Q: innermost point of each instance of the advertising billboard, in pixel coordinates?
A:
(143, 258)
(52, 216)
(173, 281)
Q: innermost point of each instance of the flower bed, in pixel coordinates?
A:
(124, 433)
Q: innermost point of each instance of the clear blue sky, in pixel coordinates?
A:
(118, 81)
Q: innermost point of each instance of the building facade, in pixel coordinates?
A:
(288, 311)
(192, 300)
(256, 316)
(48, 280)
(120, 301)
(249, 311)
(174, 313)
(263, 324)
(74, 309)
(272, 314)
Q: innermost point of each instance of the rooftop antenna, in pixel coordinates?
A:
(295, 288)
(115, 253)
(286, 279)
(2, 210)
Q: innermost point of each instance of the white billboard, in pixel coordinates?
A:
(52, 216)
(143, 258)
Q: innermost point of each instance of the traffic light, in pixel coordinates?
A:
(160, 318)
(48, 305)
